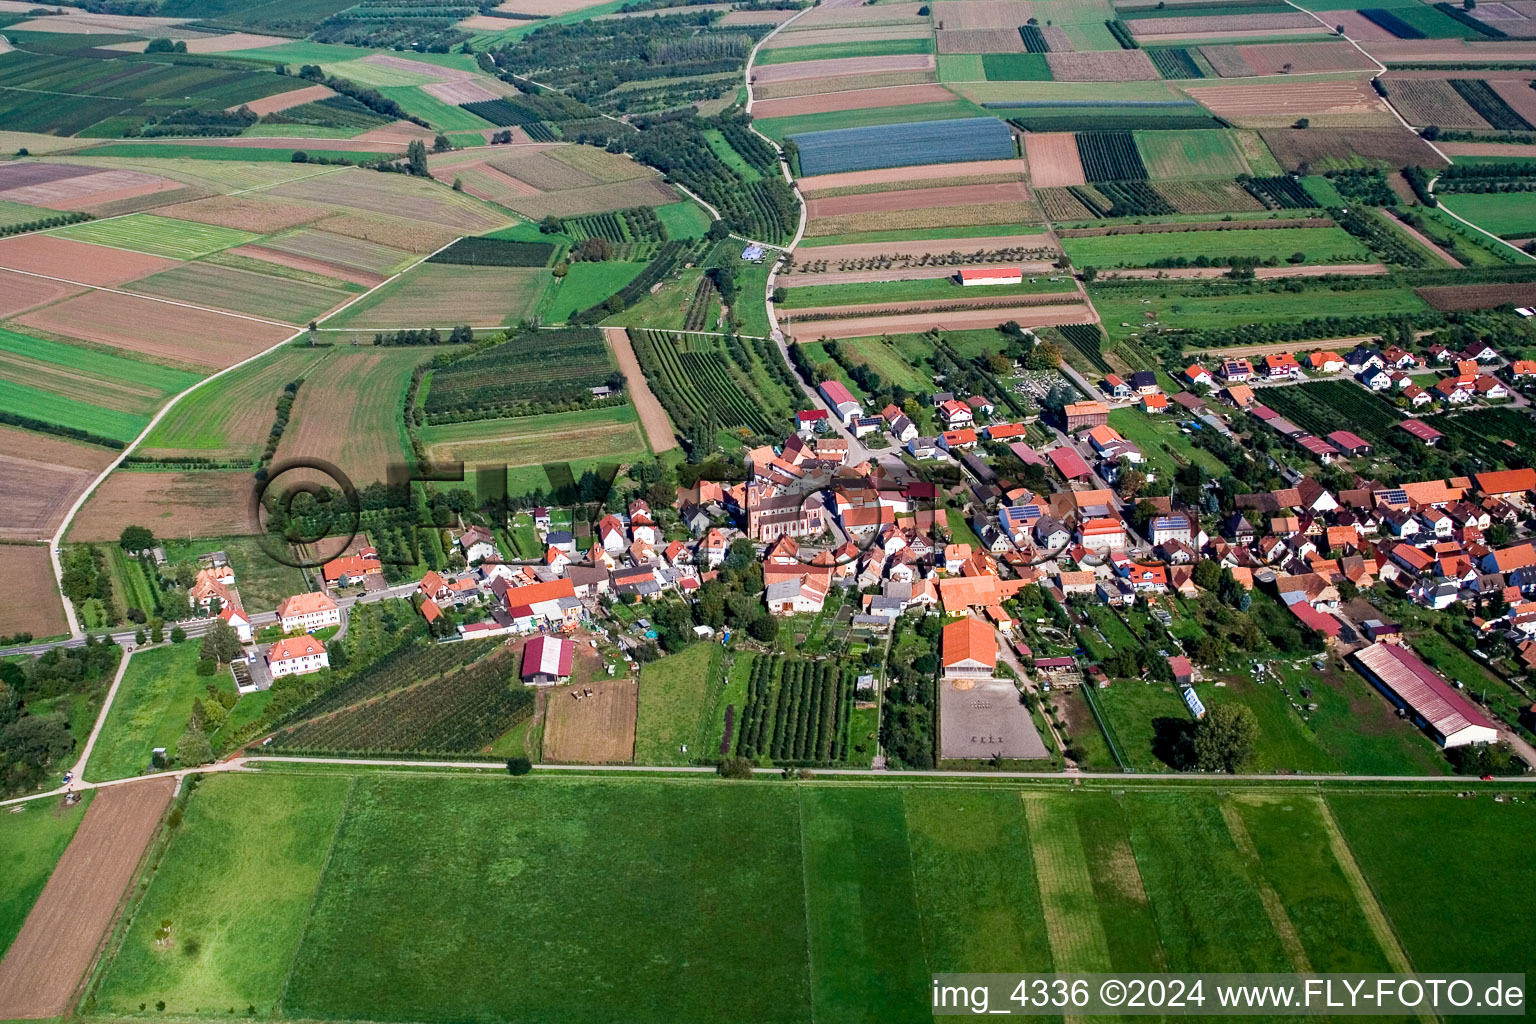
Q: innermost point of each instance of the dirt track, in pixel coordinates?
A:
(44, 966)
(658, 429)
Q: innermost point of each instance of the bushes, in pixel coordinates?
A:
(1368, 187)
(1174, 62)
(1087, 340)
(1034, 39)
(1391, 22)
(1386, 243)
(697, 386)
(1122, 33)
(1278, 193)
(1490, 106)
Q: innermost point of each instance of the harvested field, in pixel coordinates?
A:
(842, 66)
(1328, 104)
(972, 247)
(1206, 196)
(35, 609)
(979, 14)
(1060, 204)
(1425, 101)
(1456, 51)
(284, 100)
(405, 65)
(1322, 149)
(243, 291)
(298, 140)
(902, 175)
(460, 92)
(653, 417)
(917, 199)
(393, 234)
(1102, 66)
(926, 217)
(1057, 39)
(980, 40)
(31, 175)
(40, 477)
(546, 8)
(203, 504)
(597, 729)
(847, 83)
(1304, 58)
(401, 132)
(1476, 296)
(934, 306)
(77, 261)
(396, 195)
(485, 181)
(347, 409)
(245, 213)
(441, 295)
(1053, 159)
(81, 23)
(1496, 149)
(72, 191)
(1519, 95)
(337, 252)
(533, 441)
(863, 34)
(1356, 25)
(19, 293)
(859, 99)
(46, 963)
(160, 330)
(756, 18)
(1189, 27)
(599, 164)
(828, 15)
(916, 323)
(594, 199)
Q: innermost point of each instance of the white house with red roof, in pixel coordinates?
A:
(297, 656)
(308, 612)
(547, 660)
(840, 399)
(233, 615)
(973, 276)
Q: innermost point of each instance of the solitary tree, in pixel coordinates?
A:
(519, 765)
(135, 539)
(1225, 738)
(221, 642)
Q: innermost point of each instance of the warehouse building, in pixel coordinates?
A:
(1436, 706)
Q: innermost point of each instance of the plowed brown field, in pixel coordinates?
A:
(858, 99)
(161, 330)
(917, 199)
(980, 40)
(45, 965)
(245, 213)
(1256, 24)
(1009, 14)
(822, 69)
(596, 729)
(909, 323)
(888, 175)
(284, 100)
(78, 261)
(1356, 25)
(19, 293)
(204, 504)
(35, 609)
(1102, 66)
(1304, 58)
(1276, 105)
(1053, 159)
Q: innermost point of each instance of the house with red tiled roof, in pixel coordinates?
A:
(1325, 362)
(969, 649)
(308, 612)
(296, 656)
(1194, 373)
(1154, 403)
(350, 569)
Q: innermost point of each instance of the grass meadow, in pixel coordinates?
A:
(432, 898)
(1318, 245)
(920, 289)
(672, 690)
(585, 285)
(151, 709)
(32, 839)
(1508, 215)
(1201, 312)
(604, 434)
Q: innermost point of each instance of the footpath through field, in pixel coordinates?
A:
(652, 416)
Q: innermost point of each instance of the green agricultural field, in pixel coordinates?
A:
(685, 900)
(1015, 67)
(728, 155)
(684, 220)
(1200, 312)
(1358, 728)
(889, 362)
(33, 836)
(961, 67)
(584, 286)
(1190, 154)
(442, 116)
(922, 234)
(603, 435)
(842, 51)
(69, 412)
(778, 128)
(674, 697)
(1508, 215)
(227, 418)
(158, 236)
(1319, 245)
(242, 291)
(256, 848)
(151, 709)
(921, 289)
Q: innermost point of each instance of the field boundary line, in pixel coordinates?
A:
(1375, 916)
(85, 495)
(151, 298)
(314, 897)
(917, 899)
(805, 897)
(1274, 907)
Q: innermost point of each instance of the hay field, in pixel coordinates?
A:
(1054, 159)
(398, 234)
(228, 419)
(1347, 104)
(36, 608)
(201, 504)
(440, 295)
(534, 440)
(1102, 66)
(339, 251)
(598, 729)
(40, 477)
(241, 291)
(348, 411)
(574, 202)
(245, 213)
(157, 236)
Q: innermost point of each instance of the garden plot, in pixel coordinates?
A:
(903, 145)
(77, 261)
(1102, 66)
(442, 295)
(599, 728)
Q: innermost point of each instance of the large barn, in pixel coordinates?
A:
(1436, 706)
(547, 659)
(970, 648)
